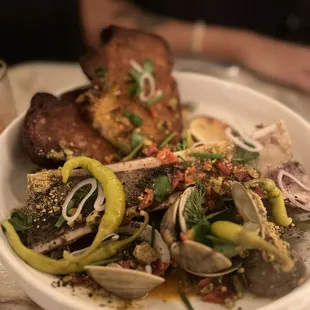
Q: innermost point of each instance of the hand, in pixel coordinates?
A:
(283, 62)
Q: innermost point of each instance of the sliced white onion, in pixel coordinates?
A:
(257, 146)
(100, 200)
(72, 218)
(136, 66)
(145, 76)
(148, 269)
(287, 195)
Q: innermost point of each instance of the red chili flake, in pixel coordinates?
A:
(125, 263)
(159, 267)
(176, 178)
(167, 157)
(190, 175)
(153, 111)
(204, 282)
(225, 168)
(214, 298)
(150, 150)
(148, 198)
(109, 158)
(242, 175)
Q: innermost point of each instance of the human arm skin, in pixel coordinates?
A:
(280, 61)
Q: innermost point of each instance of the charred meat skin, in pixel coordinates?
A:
(53, 131)
(106, 111)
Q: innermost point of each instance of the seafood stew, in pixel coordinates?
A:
(217, 209)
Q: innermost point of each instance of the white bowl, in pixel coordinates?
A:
(224, 100)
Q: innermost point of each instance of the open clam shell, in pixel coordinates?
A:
(197, 258)
(182, 208)
(129, 283)
(125, 283)
(249, 207)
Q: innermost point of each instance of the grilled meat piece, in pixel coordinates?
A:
(53, 131)
(107, 111)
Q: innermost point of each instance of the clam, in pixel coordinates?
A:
(129, 283)
(192, 256)
(250, 207)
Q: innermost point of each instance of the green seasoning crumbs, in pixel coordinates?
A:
(161, 188)
(154, 100)
(136, 139)
(106, 261)
(168, 140)
(21, 221)
(61, 219)
(208, 155)
(101, 71)
(186, 301)
(134, 118)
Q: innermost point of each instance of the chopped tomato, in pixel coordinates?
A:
(147, 200)
(153, 111)
(176, 178)
(225, 168)
(242, 175)
(159, 267)
(150, 150)
(167, 157)
(214, 298)
(190, 175)
(204, 282)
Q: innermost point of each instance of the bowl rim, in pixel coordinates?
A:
(25, 278)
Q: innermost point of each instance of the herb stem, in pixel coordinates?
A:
(154, 100)
(61, 219)
(208, 155)
(168, 139)
(134, 152)
(186, 301)
(106, 261)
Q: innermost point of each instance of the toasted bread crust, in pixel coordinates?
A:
(53, 132)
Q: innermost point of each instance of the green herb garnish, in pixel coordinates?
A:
(168, 140)
(244, 157)
(136, 139)
(186, 163)
(154, 100)
(149, 66)
(106, 261)
(101, 71)
(186, 301)
(181, 146)
(134, 118)
(161, 188)
(208, 155)
(134, 152)
(61, 219)
(21, 221)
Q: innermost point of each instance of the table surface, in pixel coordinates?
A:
(29, 78)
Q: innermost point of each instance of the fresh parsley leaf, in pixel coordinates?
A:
(161, 188)
(21, 221)
(101, 71)
(136, 139)
(134, 118)
(149, 66)
(134, 89)
(244, 157)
